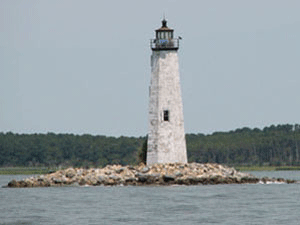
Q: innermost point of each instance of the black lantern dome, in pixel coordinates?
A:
(164, 39)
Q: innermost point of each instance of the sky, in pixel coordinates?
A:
(83, 67)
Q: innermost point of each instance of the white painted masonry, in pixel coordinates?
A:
(166, 139)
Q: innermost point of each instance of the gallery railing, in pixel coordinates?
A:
(164, 44)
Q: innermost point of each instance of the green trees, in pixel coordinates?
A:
(274, 145)
(142, 152)
(66, 150)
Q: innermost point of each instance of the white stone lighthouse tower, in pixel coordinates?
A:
(166, 137)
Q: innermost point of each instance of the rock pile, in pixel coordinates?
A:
(157, 174)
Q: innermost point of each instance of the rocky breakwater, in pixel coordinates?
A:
(157, 174)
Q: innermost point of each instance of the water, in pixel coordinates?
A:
(213, 204)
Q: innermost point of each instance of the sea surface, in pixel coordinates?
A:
(210, 204)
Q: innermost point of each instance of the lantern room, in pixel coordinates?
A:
(164, 39)
(164, 32)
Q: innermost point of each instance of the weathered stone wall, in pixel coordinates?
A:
(166, 139)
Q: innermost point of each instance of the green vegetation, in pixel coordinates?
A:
(288, 168)
(24, 170)
(64, 150)
(255, 168)
(274, 147)
(266, 168)
(142, 152)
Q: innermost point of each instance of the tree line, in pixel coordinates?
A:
(273, 145)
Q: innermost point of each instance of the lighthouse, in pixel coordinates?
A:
(166, 137)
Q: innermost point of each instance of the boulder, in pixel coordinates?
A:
(178, 174)
(100, 179)
(13, 183)
(167, 178)
(82, 181)
(70, 173)
(145, 169)
(130, 181)
(147, 178)
(120, 170)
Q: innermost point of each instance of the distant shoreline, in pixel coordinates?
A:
(266, 168)
(25, 170)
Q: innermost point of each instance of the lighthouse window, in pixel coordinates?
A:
(166, 115)
(168, 35)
